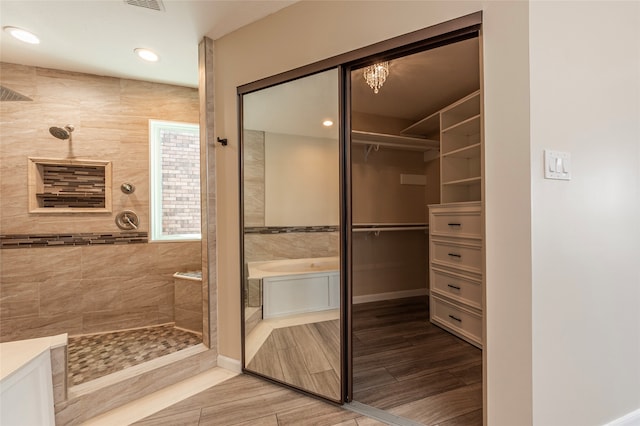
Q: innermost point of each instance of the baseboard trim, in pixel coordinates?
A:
(389, 296)
(631, 419)
(230, 364)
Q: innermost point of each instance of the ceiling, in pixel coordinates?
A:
(421, 84)
(98, 36)
(297, 107)
(418, 85)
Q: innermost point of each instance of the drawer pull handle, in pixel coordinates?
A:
(455, 318)
(454, 224)
(453, 286)
(455, 255)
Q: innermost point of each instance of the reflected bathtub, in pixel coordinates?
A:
(295, 286)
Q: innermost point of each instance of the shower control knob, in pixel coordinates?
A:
(127, 220)
(127, 188)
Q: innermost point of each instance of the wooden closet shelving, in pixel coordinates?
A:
(456, 231)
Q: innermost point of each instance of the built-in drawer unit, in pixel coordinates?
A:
(466, 223)
(459, 254)
(458, 287)
(456, 269)
(460, 321)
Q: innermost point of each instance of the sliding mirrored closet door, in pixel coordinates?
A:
(290, 180)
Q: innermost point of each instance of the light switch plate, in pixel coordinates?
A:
(557, 165)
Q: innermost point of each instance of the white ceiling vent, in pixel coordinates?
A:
(147, 4)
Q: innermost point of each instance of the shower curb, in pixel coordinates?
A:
(96, 397)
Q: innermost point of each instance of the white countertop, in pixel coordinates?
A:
(14, 355)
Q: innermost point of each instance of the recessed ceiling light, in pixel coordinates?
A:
(23, 35)
(146, 54)
(327, 123)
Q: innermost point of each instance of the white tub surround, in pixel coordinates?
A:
(296, 286)
(26, 382)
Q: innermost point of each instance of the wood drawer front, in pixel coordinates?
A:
(457, 287)
(468, 225)
(466, 257)
(459, 321)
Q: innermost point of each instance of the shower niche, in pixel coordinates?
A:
(69, 186)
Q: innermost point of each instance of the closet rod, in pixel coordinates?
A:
(387, 224)
(377, 145)
(392, 228)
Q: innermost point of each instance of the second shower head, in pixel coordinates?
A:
(62, 133)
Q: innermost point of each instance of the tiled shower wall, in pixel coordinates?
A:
(85, 289)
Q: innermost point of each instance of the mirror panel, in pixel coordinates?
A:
(291, 246)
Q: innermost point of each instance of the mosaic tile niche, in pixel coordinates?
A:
(68, 185)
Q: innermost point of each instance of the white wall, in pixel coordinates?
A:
(301, 181)
(585, 94)
(507, 214)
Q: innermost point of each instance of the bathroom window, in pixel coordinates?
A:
(175, 181)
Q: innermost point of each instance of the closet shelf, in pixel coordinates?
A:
(471, 151)
(401, 142)
(463, 182)
(469, 126)
(427, 126)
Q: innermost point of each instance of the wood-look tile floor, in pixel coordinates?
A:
(402, 364)
(245, 400)
(407, 366)
(306, 356)
(97, 355)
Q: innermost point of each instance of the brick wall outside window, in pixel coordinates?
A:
(180, 182)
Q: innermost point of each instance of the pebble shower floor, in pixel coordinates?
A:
(97, 355)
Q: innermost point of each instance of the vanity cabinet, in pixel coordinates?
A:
(456, 259)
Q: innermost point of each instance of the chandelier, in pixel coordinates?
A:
(376, 74)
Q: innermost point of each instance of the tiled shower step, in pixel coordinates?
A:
(152, 403)
(88, 400)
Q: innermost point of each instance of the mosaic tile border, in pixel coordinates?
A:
(15, 241)
(289, 229)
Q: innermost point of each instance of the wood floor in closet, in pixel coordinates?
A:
(405, 365)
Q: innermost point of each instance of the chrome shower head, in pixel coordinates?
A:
(62, 133)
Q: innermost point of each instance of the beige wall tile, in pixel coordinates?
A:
(40, 264)
(119, 319)
(128, 260)
(39, 326)
(111, 119)
(90, 288)
(189, 320)
(101, 294)
(290, 245)
(188, 294)
(146, 290)
(19, 299)
(60, 296)
(169, 258)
